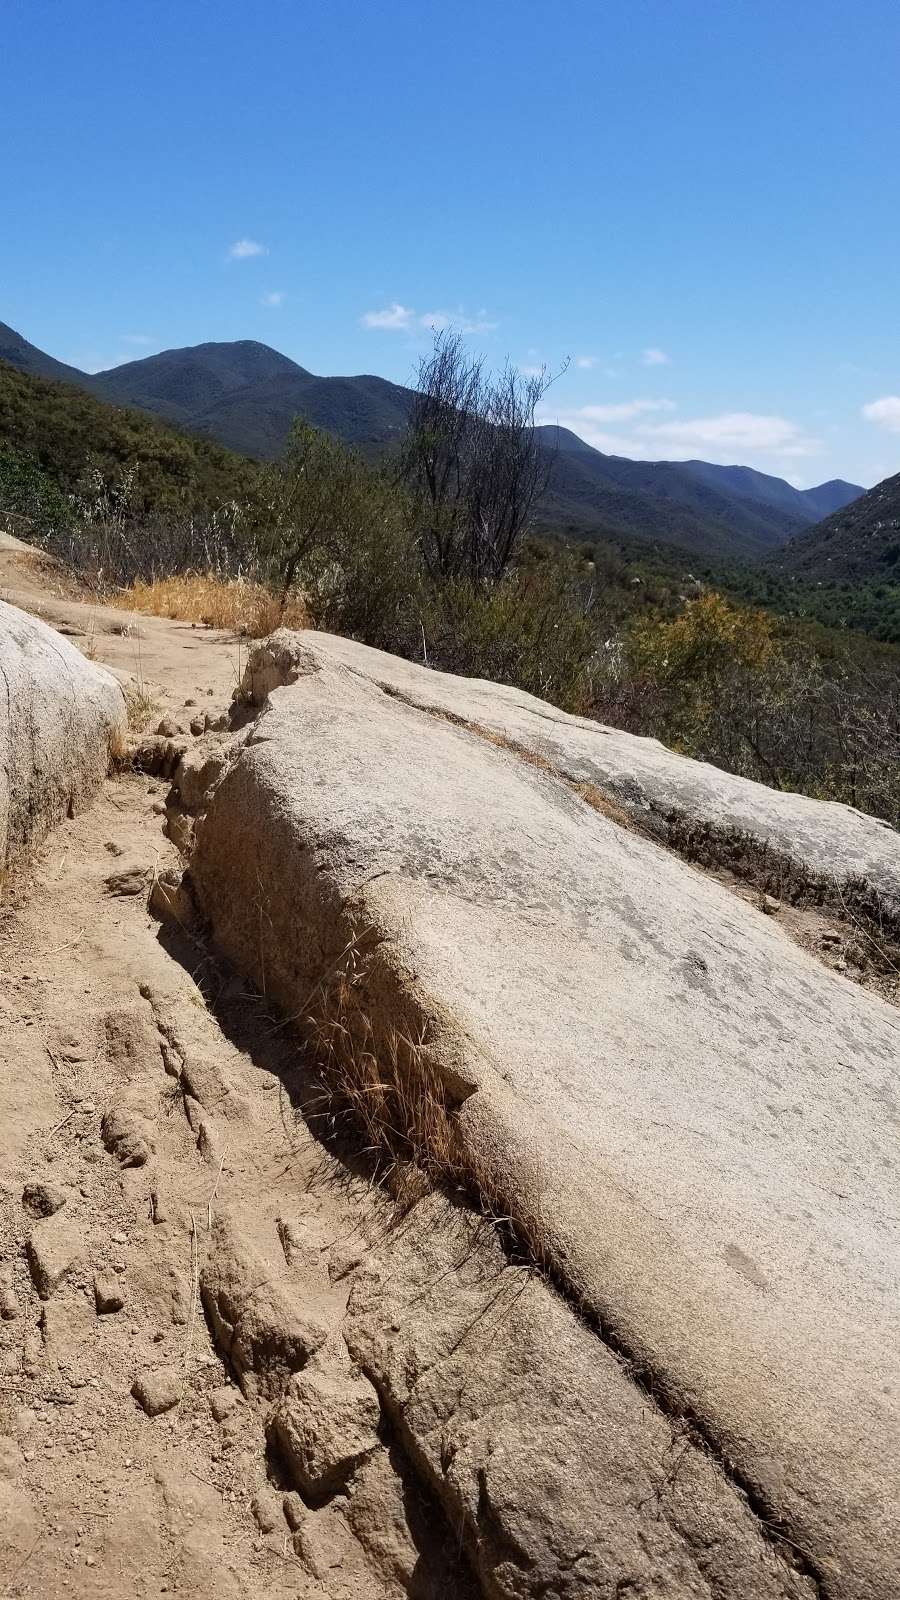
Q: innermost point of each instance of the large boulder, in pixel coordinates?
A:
(693, 1121)
(820, 841)
(61, 721)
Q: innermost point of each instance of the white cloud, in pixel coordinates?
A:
(397, 318)
(733, 436)
(394, 316)
(654, 357)
(458, 319)
(274, 297)
(530, 369)
(243, 249)
(625, 411)
(734, 431)
(586, 363)
(135, 338)
(886, 412)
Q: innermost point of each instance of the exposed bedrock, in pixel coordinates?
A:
(693, 1120)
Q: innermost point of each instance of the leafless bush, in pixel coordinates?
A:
(474, 459)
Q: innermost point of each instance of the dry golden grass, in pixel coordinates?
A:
(246, 608)
(385, 1079)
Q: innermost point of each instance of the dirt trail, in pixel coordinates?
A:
(147, 1154)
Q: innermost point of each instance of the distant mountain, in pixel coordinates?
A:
(591, 492)
(857, 544)
(831, 496)
(245, 395)
(807, 505)
(28, 358)
(182, 384)
(363, 411)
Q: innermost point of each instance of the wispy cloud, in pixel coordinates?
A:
(243, 249)
(732, 436)
(530, 369)
(625, 411)
(654, 357)
(135, 338)
(397, 318)
(586, 363)
(274, 297)
(886, 412)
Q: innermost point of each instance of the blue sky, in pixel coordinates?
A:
(694, 200)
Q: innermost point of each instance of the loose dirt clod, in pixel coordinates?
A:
(157, 1391)
(109, 1296)
(43, 1199)
(54, 1249)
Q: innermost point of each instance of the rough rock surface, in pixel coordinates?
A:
(61, 719)
(641, 775)
(695, 1119)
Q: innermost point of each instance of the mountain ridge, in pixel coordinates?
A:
(245, 395)
(857, 543)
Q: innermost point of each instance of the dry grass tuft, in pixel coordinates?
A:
(141, 707)
(246, 608)
(386, 1083)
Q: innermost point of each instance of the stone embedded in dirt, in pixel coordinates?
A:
(109, 1296)
(263, 1327)
(127, 1137)
(131, 880)
(198, 725)
(830, 936)
(208, 1143)
(68, 1046)
(293, 1510)
(198, 772)
(325, 1425)
(157, 1391)
(171, 901)
(9, 1304)
(156, 755)
(168, 728)
(266, 1508)
(179, 827)
(159, 1211)
(132, 1042)
(54, 1249)
(222, 1402)
(770, 905)
(43, 1199)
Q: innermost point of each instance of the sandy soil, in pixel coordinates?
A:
(146, 1102)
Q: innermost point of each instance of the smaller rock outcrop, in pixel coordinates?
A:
(62, 719)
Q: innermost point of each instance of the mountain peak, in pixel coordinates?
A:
(179, 383)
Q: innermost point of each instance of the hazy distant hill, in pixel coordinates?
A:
(856, 544)
(745, 482)
(245, 395)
